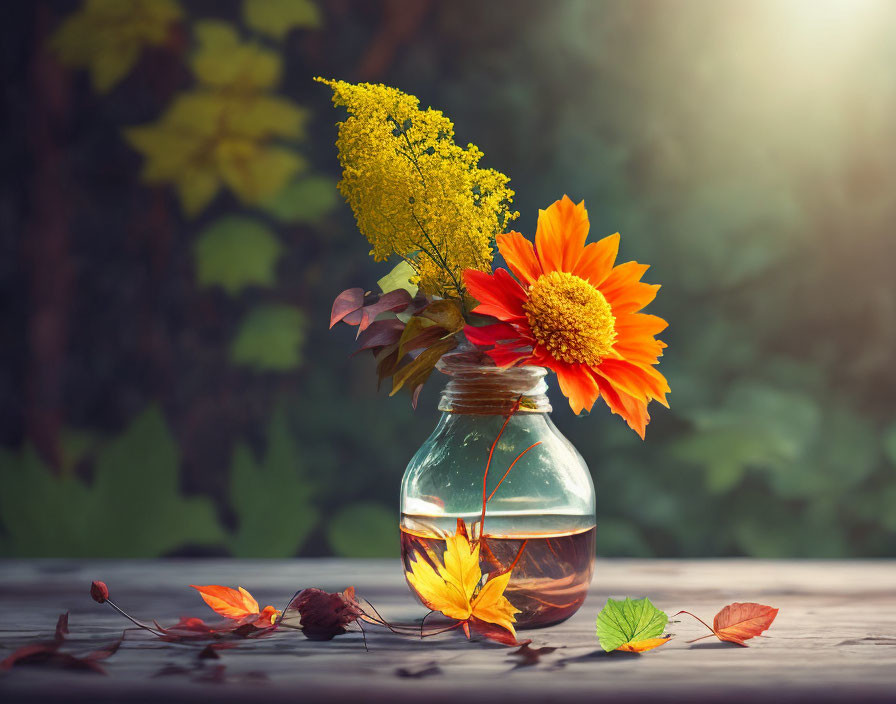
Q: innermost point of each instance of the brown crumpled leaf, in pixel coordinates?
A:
(324, 615)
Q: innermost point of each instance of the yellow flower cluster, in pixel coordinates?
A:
(226, 131)
(414, 192)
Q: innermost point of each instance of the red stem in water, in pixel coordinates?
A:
(511, 467)
(491, 452)
(519, 554)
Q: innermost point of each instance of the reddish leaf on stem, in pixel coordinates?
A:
(346, 302)
(394, 301)
(738, 622)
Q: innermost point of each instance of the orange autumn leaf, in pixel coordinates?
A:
(738, 622)
(234, 603)
(640, 646)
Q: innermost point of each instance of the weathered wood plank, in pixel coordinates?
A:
(834, 639)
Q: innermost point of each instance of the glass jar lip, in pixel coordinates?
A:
(467, 360)
(478, 386)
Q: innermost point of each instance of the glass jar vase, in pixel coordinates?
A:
(546, 499)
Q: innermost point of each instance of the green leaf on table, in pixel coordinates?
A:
(236, 252)
(305, 200)
(270, 338)
(399, 278)
(272, 499)
(133, 507)
(633, 625)
(276, 17)
(363, 529)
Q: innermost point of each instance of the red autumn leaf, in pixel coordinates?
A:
(346, 302)
(738, 622)
(394, 301)
(48, 653)
(380, 334)
(61, 629)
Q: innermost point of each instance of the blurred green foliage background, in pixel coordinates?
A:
(172, 241)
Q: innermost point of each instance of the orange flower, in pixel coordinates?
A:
(571, 310)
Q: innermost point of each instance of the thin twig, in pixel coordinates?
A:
(699, 619)
(511, 467)
(133, 620)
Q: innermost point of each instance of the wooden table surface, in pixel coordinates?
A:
(834, 638)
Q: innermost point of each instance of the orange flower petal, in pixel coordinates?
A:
(637, 324)
(499, 295)
(621, 288)
(633, 297)
(633, 411)
(642, 383)
(561, 234)
(519, 254)
(577, 384)
(597, 259)
(641, 349)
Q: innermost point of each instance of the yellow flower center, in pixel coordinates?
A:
(571, 318)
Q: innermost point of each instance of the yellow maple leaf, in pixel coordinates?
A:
(453, 586)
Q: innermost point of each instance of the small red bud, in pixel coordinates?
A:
(99, 591)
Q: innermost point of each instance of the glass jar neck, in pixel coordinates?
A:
(477, 386)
